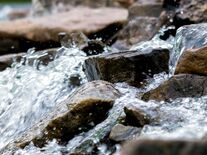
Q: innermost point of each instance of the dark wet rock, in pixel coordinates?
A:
(193, 61)
(182, 85)
(42, 33)
(185, 41)
(137, 30)
(127, 66)
(7, 60)
(86, 107)
(164, 147)
(146, 10)
(121, 133)
(138, 116)
(183, 12)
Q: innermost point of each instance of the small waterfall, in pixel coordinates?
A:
(30, 90)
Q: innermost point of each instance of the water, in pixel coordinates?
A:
(28, 92)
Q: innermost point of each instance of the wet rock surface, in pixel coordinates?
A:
(185, 40)
(127, 66)
(183, 85)
(193, 62)
(121, 133)
(42, 32)
(164, 147)
(86, 107)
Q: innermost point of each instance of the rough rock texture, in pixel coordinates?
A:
(182, 85)
(86, 107)
(161, 147)
(193, 62)
(146, 10)
(137, 30)
(127, 66)
(121, 133)
(19, 35)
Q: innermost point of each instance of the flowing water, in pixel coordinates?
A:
(29, 91)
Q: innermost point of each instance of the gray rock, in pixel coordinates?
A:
(137, 30)
(120, 133)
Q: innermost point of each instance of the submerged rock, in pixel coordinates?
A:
(193, 61)
(121, 133)
(127, 66)
(183, 85)
(164, 147)
(42, 32)
(85, 108)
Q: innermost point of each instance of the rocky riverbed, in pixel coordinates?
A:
(122, 77)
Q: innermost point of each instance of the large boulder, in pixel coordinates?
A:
(42, 32)
(193, 61)
(85, 108)
(132, 66)
(182, 85)
(164, 147)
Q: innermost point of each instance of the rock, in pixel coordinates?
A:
(121, 133)
(85, 108)
(183, 12)
(89, 46)
(137, 30)
(7, 60)
(182, 85)
(164, 147)
(185, 40)
(193, 10)
(42, 6)
(193, 61)
(146, 10)
(42, 33)
(138, 116)
(127, 66)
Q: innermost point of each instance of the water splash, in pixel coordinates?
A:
(29, 91)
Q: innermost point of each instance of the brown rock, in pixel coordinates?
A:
(183, 85)
(164, 147)
(193, 61)
(86, 107)
(19, 35)
(127, 66)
